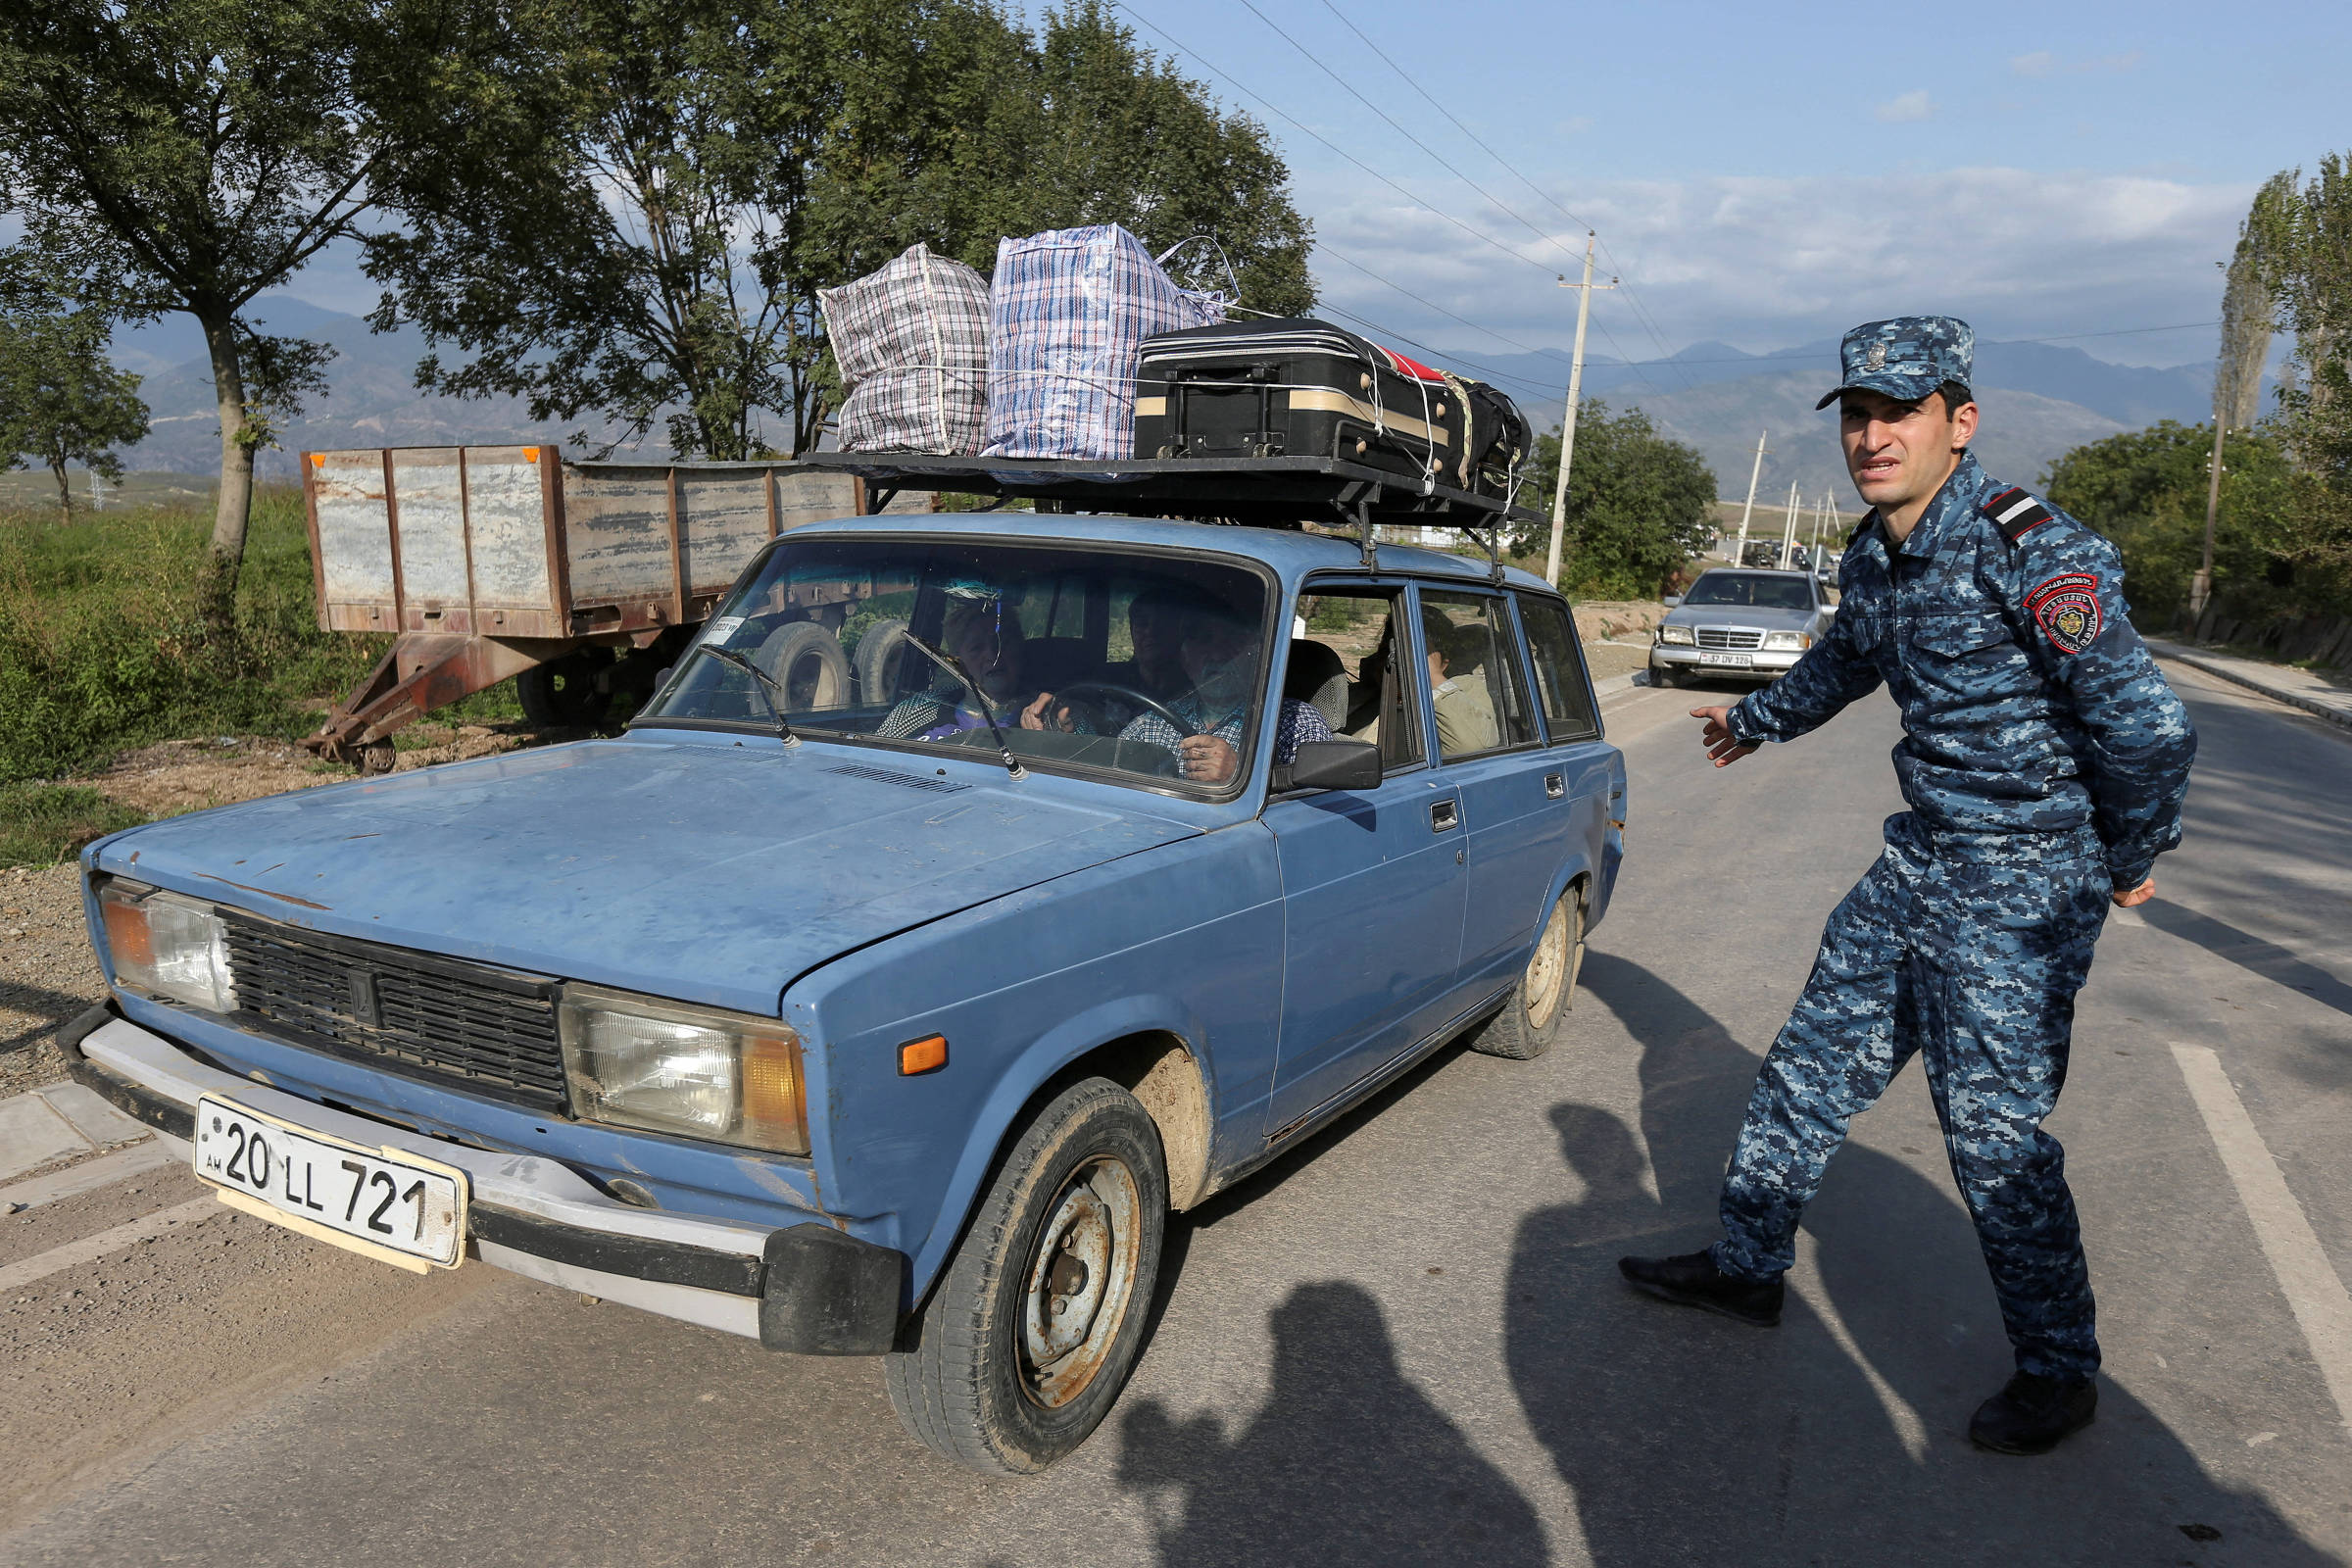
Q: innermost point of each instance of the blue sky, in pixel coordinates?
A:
(1768, 175)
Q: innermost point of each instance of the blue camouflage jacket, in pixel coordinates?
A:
(2030, 704)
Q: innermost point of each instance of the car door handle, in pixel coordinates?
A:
(1555, 785)
(1444, 815)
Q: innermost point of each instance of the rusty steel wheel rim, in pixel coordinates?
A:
(1080, 1281)
(1547, 981)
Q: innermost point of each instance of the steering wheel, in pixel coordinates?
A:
(1131, 696)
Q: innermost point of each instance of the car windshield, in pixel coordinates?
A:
(1090, 660)
(1750, 588)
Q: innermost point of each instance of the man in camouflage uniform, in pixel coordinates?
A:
(2044, 760)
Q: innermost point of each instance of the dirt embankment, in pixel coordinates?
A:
(1613, 620)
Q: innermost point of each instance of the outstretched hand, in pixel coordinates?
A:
(1722, 745)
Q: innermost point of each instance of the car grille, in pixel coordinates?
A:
(1729, 637)
(409, 1012)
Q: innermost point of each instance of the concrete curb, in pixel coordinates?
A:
(2339, 716)
(1603, 688)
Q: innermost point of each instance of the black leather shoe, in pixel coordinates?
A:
(1693, 1280)
(2033, 1414)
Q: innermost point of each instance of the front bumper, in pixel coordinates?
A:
(807, 1288)
(1761, 663)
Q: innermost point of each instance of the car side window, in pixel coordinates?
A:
(1352, 666)
(1559, 672)
(1471, 675)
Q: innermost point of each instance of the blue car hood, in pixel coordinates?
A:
(705, 872)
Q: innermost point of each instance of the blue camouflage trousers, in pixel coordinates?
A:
(1967, 948)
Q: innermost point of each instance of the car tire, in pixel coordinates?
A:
(1531, 1017)
(990, 1374)
(880, 649)
(806, 660)
(1664, 678)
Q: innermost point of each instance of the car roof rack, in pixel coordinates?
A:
(1255, 492)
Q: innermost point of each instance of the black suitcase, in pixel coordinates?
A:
(1300, 387)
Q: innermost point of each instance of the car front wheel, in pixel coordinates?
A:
(1031, 1332)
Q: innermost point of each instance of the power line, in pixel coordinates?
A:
(1391, 121)
(1640, 311)
(1288, 119)
(1434, 103)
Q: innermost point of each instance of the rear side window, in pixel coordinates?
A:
(1473, 682)
(1559, 672)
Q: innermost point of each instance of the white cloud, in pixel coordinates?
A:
(1769, 263)
(1910, 105)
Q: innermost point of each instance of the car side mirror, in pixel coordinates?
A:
(1674, 601)
(1331, 765)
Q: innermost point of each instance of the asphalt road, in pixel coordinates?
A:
(1408, 1343)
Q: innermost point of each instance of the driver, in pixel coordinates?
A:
(977, 633)
(1216, 648)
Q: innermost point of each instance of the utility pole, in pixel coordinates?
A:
(2200, 586)
(1576, 390)
(1788, 527)
(1740, 552)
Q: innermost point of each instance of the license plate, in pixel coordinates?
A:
(385, 1203)
(1732, 661)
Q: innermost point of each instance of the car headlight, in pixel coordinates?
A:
(172, 946)
(1680, 635)
(1788, 641)
(639, 1061)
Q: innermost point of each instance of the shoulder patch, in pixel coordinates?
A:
(2067, 609)
(2015, 514)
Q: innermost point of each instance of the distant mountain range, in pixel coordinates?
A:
(373, 398)
(2040, 400)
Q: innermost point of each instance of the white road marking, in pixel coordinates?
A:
(1907, 1424)
(2317, 1298)
(89, 1176)
(39, 1266)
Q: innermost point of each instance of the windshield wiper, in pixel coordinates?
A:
(761, 683)
(954, 666)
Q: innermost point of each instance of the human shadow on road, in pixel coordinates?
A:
(1347, 1461)
(1692, 1439)
(2274, 963)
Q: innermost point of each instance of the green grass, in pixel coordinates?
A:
(100, 647)
(42, 825)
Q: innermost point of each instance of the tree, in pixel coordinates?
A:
(2247, 310)
(2145, 490)
(60, 400)
(2306, 231)
(640, 229)
(1640, 506)
(186, 155)
(1115, 135)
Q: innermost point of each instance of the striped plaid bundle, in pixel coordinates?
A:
(1068, 313)
(912, 343)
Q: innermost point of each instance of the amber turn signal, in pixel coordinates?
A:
(927, 1055)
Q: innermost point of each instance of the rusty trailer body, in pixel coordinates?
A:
(487, 563)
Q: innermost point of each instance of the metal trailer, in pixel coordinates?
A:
(579, 580)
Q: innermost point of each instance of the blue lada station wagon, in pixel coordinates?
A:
(888, 1003)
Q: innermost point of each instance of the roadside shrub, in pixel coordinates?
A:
(42, 825)
(101, 646)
